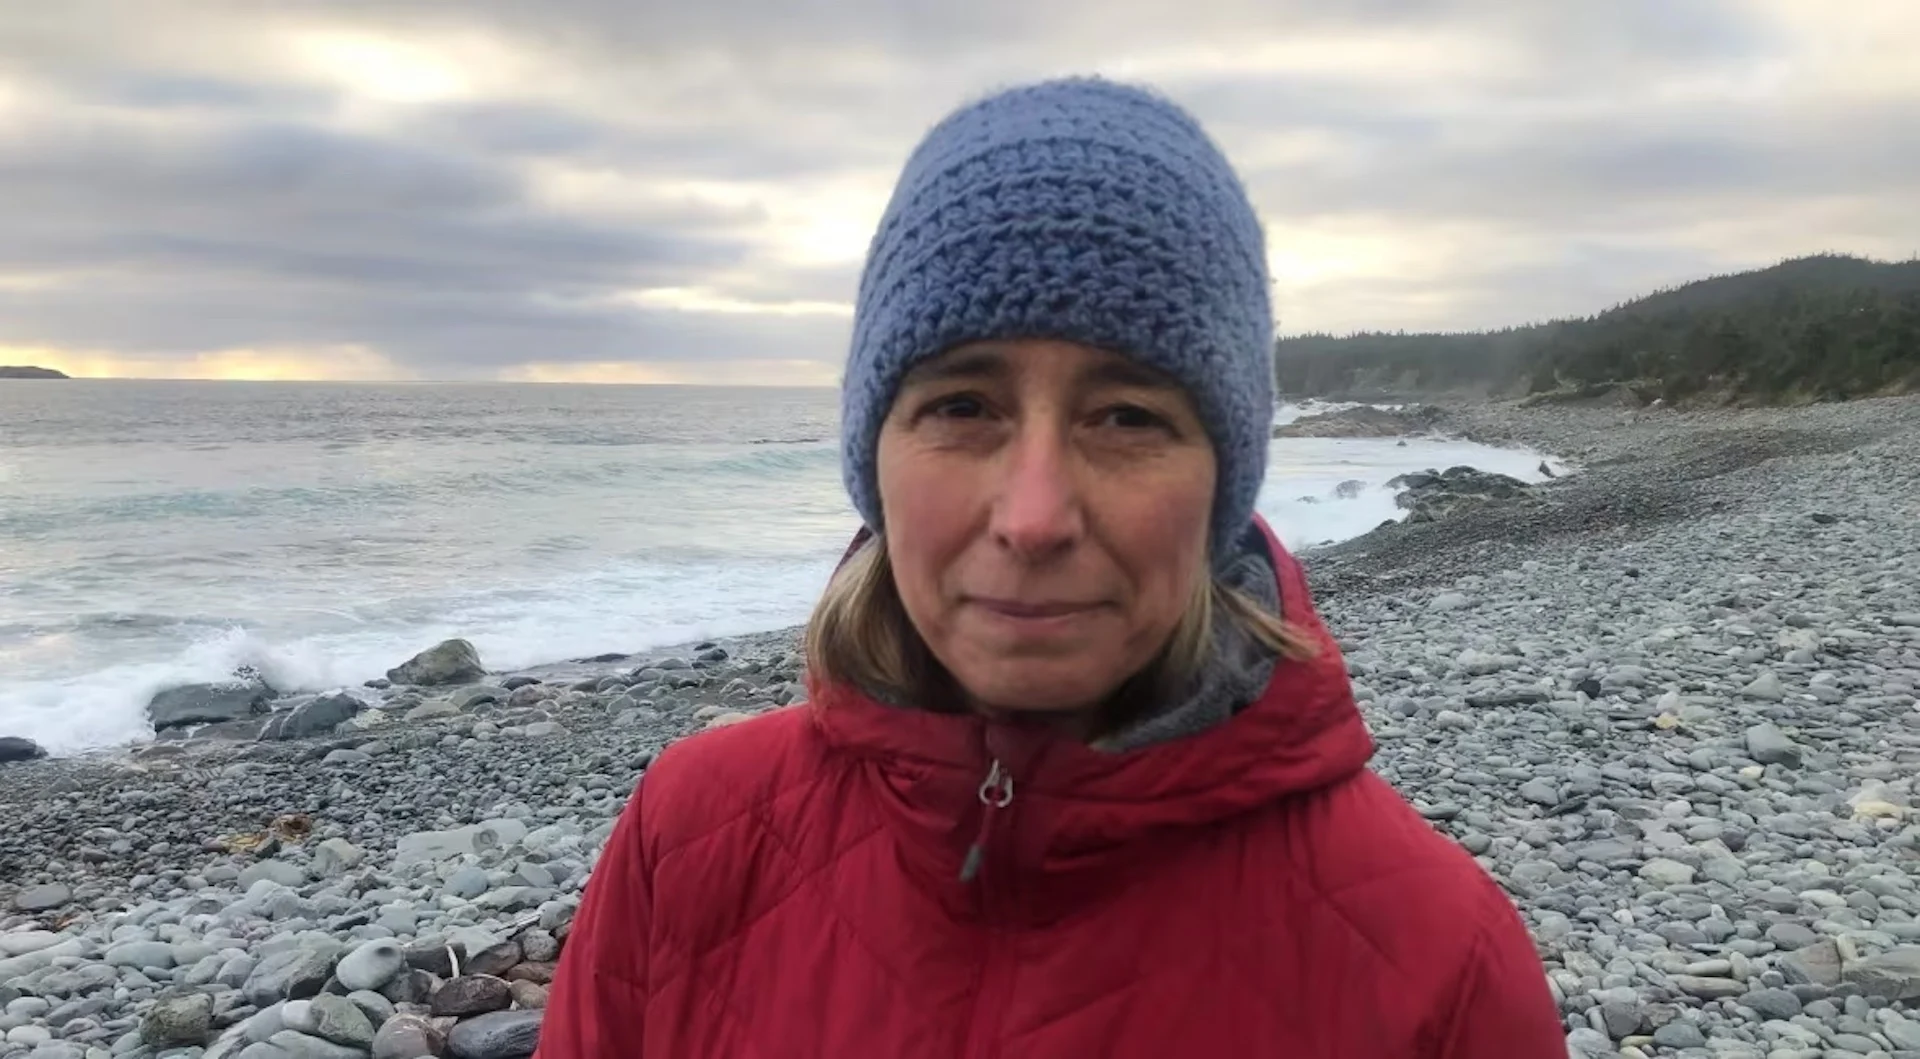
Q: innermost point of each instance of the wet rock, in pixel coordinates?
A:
(18, 748)
(208, 703)
(499, 1035)
(318, 717)
(449, 662)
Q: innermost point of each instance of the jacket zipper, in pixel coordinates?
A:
(996, 793)
(983, 868)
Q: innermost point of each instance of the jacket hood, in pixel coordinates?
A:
(1058, 816)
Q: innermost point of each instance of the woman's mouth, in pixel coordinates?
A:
(1030, 618)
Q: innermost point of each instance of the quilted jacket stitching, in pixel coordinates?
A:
(796, 884)
(750, 808)
(726, 1011)
(832, 903)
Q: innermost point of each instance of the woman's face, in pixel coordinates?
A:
(1047, 509)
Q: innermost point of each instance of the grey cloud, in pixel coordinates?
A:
(277, 235)
(445, 334)
(1580, 277)
(275, 196)
(935, 29)
(167, 90)
(513, 129)
(212, 200)
(1573, 172)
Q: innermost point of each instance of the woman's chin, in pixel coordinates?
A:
(1034, 686)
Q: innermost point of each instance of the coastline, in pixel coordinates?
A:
(1668, 701)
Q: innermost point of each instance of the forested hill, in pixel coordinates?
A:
(1828, 326)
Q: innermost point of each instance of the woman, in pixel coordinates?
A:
(1081, 774)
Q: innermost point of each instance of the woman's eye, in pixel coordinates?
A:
(958, 406)
(1131, 417)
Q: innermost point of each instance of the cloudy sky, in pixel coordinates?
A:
(640, 190)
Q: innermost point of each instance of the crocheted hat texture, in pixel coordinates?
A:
(1083, 210)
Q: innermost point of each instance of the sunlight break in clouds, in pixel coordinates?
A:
(339, 364)
(700, 300)
(686, 372)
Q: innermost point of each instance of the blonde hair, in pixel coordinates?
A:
(860, 635)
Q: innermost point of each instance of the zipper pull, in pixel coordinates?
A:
(996, 792)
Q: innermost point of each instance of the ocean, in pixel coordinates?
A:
(159, 533)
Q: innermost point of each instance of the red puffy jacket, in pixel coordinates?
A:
(792, 886)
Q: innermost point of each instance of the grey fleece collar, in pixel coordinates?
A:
(1238, 671)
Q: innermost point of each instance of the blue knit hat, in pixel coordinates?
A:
(1079, 210)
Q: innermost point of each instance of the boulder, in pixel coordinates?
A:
(341, 1021)
(478, 695)
(43, 898)
(428, 711)
(412, 986)
(209, 703)
(22, 942)
(372, 965)
(408, 1037)
(528, 995)
(494, 959)
(317, 717)
(540, 946)
(531, 971)
(141, 954)
(1663, 872)
(1366, 421)
(296, 974)
(1768, 745)
(1894, 974)
(1707, 988)
(471, 994)
(531, 695)
(17, 748)
(296, 1045)
(499, 1035)
(182, 1021)
(336, 855)
(1431, 495)
(449, 662)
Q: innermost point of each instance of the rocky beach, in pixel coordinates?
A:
(1669, 701)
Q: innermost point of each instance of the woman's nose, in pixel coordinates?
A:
(1038, 511)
